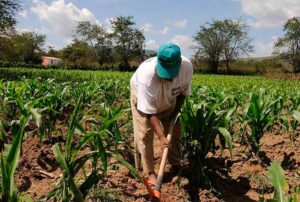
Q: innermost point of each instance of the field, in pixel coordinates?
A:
(67, 135)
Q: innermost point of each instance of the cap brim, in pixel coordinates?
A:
(167, 72)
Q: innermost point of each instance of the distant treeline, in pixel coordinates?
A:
(249, 66)
(218, 48)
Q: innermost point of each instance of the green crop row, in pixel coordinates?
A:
(95, 106)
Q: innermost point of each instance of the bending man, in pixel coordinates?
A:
(158, 89)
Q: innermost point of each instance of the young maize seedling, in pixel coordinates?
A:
(277, 177)
(202, 123)
(260, 113)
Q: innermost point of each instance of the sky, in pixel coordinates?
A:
(162, 21)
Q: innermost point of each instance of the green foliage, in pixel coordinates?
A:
(70, 163)
(94, 44)
(98, 39)
(10, 155)
(288, 46)
(103, 139)
(23, 47)
(222, 40)
(9, 162)
(202, 123)
(260, 65)
(277, 177)
(260, 113)
(295, 122)
(8, 9)
(128, 40)
(77, 53)
(96, 106)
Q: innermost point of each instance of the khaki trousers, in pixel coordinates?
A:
(144, 135)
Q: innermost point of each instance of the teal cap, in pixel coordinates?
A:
(168, 61)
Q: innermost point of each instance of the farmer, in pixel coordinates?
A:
(158, 89)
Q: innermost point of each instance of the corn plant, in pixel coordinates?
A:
(9, 162)
(295, 122)
(260, 114)
(9, 107)
(202, 123)
(11, 153)
(3, 138)
(69, 189)
(277, 177)
(294, 101)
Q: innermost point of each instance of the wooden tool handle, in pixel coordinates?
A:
(164, 159)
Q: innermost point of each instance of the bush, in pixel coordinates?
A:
(8, 64)
(66, 66)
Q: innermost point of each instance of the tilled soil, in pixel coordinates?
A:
(37, 172)
(239, 179)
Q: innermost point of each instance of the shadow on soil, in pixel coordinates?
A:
(289, 163)
(218, 184)
(264, 159)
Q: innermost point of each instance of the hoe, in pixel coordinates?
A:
(155, 194)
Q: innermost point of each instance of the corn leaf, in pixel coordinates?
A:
(296, 115)
(277, 177)
(227, 138)
(64, 166)
(131, 169)
(70, 133)
(91, 180)
(36, 117)
(79, 163)
(2, 133)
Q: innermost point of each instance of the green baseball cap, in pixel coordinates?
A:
(168, 61)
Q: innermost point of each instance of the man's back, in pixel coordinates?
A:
(155, 94)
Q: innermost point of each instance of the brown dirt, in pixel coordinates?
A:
(286, 76)
(239, 179)
(35, 158)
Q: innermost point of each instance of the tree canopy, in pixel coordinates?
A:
(288, 46)
(8, 9)
(123, 43)
(77, 53)
(222, 40)
(97, 37)
(128, 41)
(23, 47)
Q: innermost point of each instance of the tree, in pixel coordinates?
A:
(23, 47)
(28, 47)
(97, 37)
(52, 52)
(8, 8)
(5, 48)
(128, 41)
(222, 40)
(235, 40)
(77, 53)
(288, 46)
(209, 46)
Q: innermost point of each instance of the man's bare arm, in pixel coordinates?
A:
(179, 102)
(154, 120)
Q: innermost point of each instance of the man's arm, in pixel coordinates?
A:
(179, 102)
(154, 120)
(158, 130)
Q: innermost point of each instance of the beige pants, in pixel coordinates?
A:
(144, 134)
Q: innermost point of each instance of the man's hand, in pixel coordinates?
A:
(164, 142)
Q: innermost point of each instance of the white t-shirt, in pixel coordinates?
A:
(154, 94)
